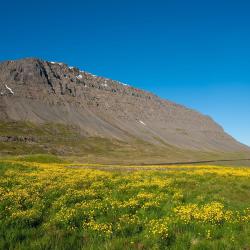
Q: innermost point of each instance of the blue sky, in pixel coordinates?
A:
(196, 53)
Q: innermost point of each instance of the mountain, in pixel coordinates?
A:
(37, 95)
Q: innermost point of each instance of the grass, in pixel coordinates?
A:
(48, 203)
(67, 141)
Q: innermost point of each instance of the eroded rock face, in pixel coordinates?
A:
(40, 91)
(10, 138)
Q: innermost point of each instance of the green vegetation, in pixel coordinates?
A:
(46, 203)
(41, 158)
(21, 138)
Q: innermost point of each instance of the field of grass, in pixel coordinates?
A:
(46, 203)
(67, 141)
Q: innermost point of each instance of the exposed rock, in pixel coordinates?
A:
(40, 91)
(10, 138)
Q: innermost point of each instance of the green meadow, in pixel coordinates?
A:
(49, 203)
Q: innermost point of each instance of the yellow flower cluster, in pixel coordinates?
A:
(178, 196)
(213, 212)
(100, 228)
(158, 228)
(110, 203)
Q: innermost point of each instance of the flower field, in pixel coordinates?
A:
(59, 206)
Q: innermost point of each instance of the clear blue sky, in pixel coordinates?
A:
(196, 53)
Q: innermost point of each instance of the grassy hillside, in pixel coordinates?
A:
(59, 205)
(21, 138)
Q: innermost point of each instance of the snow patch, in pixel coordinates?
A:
(142, 123)
(70, 67)
(124, 84)
(9, 89)
(79, 77)
(104, 84)
(93, 75)
(57, 63)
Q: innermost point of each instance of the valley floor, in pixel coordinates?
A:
(47, 203)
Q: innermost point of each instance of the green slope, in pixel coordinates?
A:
(25, 138)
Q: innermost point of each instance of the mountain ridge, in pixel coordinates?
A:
(40, 92)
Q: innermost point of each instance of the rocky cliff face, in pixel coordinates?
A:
(39, 91)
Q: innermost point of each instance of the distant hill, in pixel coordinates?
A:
(46, 103)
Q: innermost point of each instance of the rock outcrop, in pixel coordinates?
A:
(40, 91)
